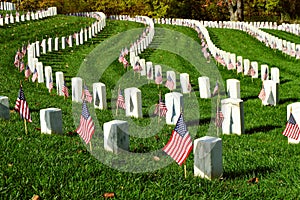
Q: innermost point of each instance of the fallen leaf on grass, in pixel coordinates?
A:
(38, 129)
(253, 180)
(35, 197)
(156, 158)
(109, 195)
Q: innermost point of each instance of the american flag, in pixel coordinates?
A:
(262, 94)
(158, 78)
(86, 95)
(230, 65)
(121, 58)
(239, 67)
(170, 83)
(219, 118)
(27, 72)
(17, 59)
(180, 144)
(86, 127)
(251, 71)
(50, 85)
(120, 101)
(125, 62)
(65, 90)
(216, 89)
(292, 129)
(34, 76)
(22, 106)
(137, 67)
(161, 108)
(22, 66)
(149, 74)
(24, 49)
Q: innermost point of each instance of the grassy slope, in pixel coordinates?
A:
(59, 167)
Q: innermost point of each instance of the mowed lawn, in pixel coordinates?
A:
(61, 167)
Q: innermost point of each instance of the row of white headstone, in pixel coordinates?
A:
(230, 59)
(11, 19)
(7, 6)
(287, 47)
(34, 49)
(143, 42)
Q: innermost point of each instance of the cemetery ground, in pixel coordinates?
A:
(60, 167)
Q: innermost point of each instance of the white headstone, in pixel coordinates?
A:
(63, 42)
(149, 67)
(40, 71)
(70, 41)
(239, 64)
(116, 137)
(90, 32)
(174, 103)
(254, 66)
(77, 39)
(143, 65)
(81, 36)
(48, 75)
(99, 95)
(172, 76)
(275, 74)
(208, 161)
(56, 44)
(76, 89)
(204, 87)
(1, 22)
(133, 102)
(246, 66)
(296, 111)
(49, 44)
(43, 45)
(158, 72)
(85, 34)
(271, 91)
(59, 78)
(37, 48)
(184, 82)
(51, 120)
(233, 111)
(233, 88)
(4, 107)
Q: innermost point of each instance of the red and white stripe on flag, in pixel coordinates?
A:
(292, 129)
(86, 127)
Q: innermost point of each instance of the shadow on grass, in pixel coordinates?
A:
(250, 98)
(266, 128)
(246, 173)
(291, 100)
(197, 122)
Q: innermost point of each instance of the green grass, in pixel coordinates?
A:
(60, 167)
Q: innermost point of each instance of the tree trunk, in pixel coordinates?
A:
(236, 10)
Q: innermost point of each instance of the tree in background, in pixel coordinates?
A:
(235, 10)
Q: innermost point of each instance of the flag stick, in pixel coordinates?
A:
(91, 149)
(117, 101)
(25, 124)
(159, 96)
(184, 167)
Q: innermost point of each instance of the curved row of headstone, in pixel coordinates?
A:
(37, 48)
(287, 47)
(17, 18)
(290, 28)
(7, 6)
